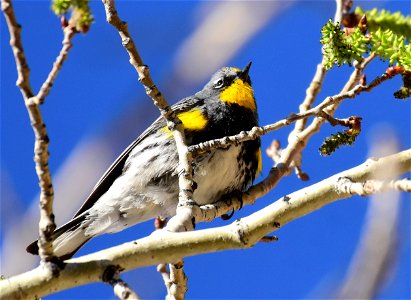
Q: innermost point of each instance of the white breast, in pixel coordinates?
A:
(216, 173)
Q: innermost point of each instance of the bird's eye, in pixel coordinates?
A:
(218, 83)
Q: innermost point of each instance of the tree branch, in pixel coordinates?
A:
(69, 32)
(316, 83)
(169, 246)
(23, 70)
(370, 187)
(41, 154)
(371, 264)
(310, 95)
(317, 111)
(178, 281)
(186, 205)
(121, 289)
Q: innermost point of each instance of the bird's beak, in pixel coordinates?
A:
(244, 73)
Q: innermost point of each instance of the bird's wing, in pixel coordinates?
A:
(116, 169)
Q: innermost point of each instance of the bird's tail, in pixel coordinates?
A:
(67, 239)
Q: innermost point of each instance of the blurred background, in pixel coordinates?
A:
(97, 107)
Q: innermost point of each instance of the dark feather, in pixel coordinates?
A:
(73, 224)
(116, 169)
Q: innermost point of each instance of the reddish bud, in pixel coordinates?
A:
(159, 222)
(362, 24)
(85, 28)
(349, 20)
(64, 22)
(363, 79)
(355, 125)
(392, 71)
(347, 5)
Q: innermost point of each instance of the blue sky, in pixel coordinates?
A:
(97, 99)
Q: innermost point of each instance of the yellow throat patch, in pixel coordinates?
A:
(239, 92)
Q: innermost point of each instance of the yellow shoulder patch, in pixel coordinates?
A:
(193, 120)
(259, 157)
(240, 93)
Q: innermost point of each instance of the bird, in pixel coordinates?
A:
(142, 183)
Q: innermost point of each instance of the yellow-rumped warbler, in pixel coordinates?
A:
(143, 182)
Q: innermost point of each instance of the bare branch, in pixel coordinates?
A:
(69, 32)
(339, 7)
(298, 140)
(186, 204)
(371, 187)
(160, 223)
(269, 239)
(23, 70)
(274, 152)
(316, 83)
(322, 116)
(310, 95)
(165, 274)
(41, 157)
(183, 220)
(403, 185)
(136, 61)
(376, 252)
(175, 280)
(350, 90)
(41, 154)
(121, 289)
(169, 246)
(178, 281)
(352, 122)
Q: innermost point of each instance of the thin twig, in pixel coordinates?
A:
(186, 205)
(310, 95)
(111, 275)
(23, 70)
(122, 290)
(339, 8)
(165, 274)
(350, 90)
(256, 132)
(41, 155)
(269, 239)
(274, 152)
(178, 279)
(403, 185)
(298, 141)
(69, 32)
(316, 83)
(294, 148)
(351, 122)
(160, 223)
(296, 145)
